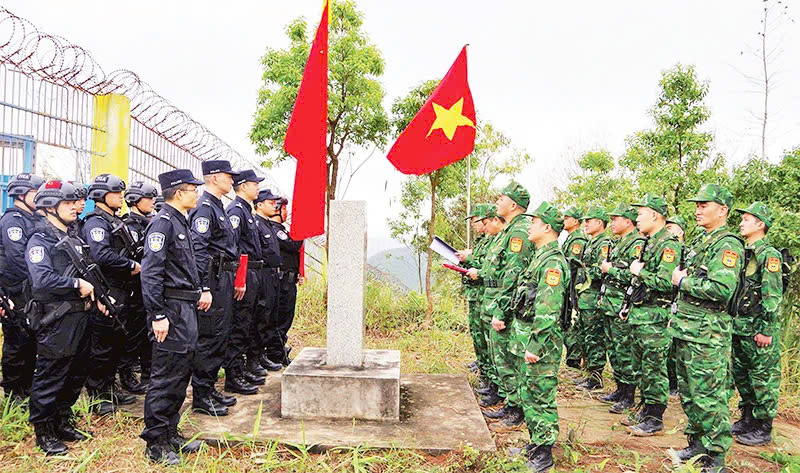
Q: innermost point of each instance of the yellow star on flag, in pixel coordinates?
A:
(448, 119)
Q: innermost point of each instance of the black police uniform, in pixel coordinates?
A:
(19, 342)
(267, 311)
(288, 274)
(240, 214)
(170, 288)
(108, 251)
(62, 346)
(217, 256)
(137, 345)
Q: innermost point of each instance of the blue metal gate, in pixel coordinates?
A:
(17, 155)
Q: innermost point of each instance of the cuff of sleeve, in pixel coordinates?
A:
(206, 289)
(160, 316)
(76, 283)
(133, 265)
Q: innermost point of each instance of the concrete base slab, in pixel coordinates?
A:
(438, 414)
(312, 389)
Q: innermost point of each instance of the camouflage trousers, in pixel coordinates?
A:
(478, 334)
(594, 338)
(651, 344)
(620, 349)
(671, 366)
(505, 364)
(703, 382)
(757, 374)
(573, 341)
(538, 383)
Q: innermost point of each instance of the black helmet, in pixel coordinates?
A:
(159, 203)
(51, 193)
(103, 184)
(80, 189)
(24, 183)
(139, 190)
(280, 203)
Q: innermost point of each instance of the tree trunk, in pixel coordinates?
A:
(434, 178)
(333, 173)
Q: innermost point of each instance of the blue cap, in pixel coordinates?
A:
(248, 175)
(266, 194)
(218, 166)
(177, 177)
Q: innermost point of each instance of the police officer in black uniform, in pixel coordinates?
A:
(217, 254)
(140, 197)
(80, 206)
(267, 310)
(101, 230)
(289, 273)
(19, 342)
(59, 313)
(171, 289)
(238, 377)
(159, 204)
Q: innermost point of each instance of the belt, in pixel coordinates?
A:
(229, 266)
(706, 304)
(492, 283)
(255, 264)
(290, 274)
(189, 295)
(77, 305)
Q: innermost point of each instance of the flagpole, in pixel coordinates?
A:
(469, 206)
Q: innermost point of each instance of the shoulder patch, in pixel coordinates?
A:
(668, 256)
(552, 277)
(637, 251)
(604, 251)
(282, 235)
(97, 234)
(515, 245)
(773, 264)
(234, 221)
(36, 254)
(202, 224)
(729, 258)
(14, 233)
(155, 241)
(576, 249)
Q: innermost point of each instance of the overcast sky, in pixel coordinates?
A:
(557, 77)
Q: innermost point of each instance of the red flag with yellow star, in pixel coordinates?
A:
(443, 131)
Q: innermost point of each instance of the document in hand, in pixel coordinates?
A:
(444, 250)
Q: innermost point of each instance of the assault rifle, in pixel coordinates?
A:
(135, 250)
(635, 283)
(5, 302)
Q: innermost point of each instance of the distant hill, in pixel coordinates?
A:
(402, 264)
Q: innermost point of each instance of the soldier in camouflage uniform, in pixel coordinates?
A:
(573, 250)
(616, 279)
(591, 317)
(537, 334)
(505, 260)
(757, 330)
(650, 313)
(702, 328)
(677, 226)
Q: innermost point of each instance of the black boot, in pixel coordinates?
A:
(255, 367)
(745, 423)
(208, 406)
(712, 463)
(161, 452)
(223, 399)
(473, 367)
(120, 397)
(102, 404)
(254, 379)
(625, 401)
(180, 444)
(540, 459)
(268, 364)
(236, 383)
(514, 418)
(130, 383)
(491, 399)
(652, 421)
(574, 364)
(485, 388)
(498, 414)
(65, 430)
(614, 396)
(593, 381)
(695, 448)
(514, 451)
(47, 441)
(760, 434)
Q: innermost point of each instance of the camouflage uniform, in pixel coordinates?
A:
(573, 249)
(537, 329)
(702, 329)
(671, 370)
(757, 371)
(473, 292)
(591, 317)
(615, 283)
(505, 260)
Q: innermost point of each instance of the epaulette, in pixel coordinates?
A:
(205, 202)
(165, 216)
(239, 204)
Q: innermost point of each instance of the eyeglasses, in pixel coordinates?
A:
(189, 190)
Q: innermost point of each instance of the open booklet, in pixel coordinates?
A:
(444, 250)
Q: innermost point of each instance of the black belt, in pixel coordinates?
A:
(704, 303)
(76, 305)
(492, 283)
(189, 295)
(289, 275)
(255, 264)
(230, 266)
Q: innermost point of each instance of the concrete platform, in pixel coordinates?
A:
(438, 414)
(311, 389)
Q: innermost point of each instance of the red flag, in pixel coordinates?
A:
(443, 131)
(306, 140)
(303, 260)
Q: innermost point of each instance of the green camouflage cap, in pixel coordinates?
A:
(624, 210)
(760, 211)
(679, 221)
(477, 211)
(574, 212)
(489, 212)
(595, 212)
(713, 193)
(516, 192)
(549, 215)
(655, 202)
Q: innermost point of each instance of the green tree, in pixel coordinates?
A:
(600, 181)
(356, 117)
